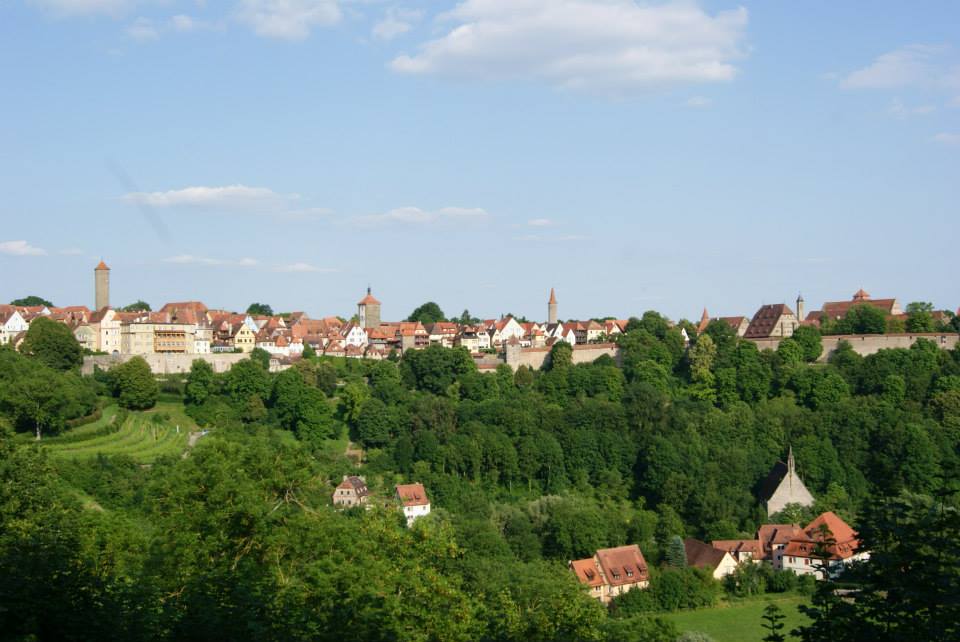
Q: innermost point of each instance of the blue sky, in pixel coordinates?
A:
(635, 156)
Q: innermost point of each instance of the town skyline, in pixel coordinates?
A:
(258, 155)
(450, 312)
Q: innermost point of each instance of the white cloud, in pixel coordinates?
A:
(583, 44)
(396, 22)
(142, 30)
(302, 267)
(232, 197)
(183, 22)
(901, 110)
(20, 248)
(288, 19)
(699, 102)
(190, 259)
(947, 138)
(81, 7)
(926, 66)
(539, 222)
(416, 216)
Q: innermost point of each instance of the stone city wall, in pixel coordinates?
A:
(165, 363)
(866, 344)
(534, 358)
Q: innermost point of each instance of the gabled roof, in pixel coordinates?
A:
(587, 572)
(702, 555)
(355, 483)
(731, 546)
(623, 565)
(765, 320)
(845, 538)
(412, 495)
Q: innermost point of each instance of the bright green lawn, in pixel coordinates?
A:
(739, 621)
(140, 436)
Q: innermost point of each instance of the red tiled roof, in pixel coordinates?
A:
(738, 546)
(765, 320)
(101, 266)
(623, 565)
(553, 297)
(412, 494)
(587, 572)
(846, 542)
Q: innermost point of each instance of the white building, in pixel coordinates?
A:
(413, 498)
(12, 323)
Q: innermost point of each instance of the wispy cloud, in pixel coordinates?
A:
(82, 7)
(303, 267)
(917, 65)
(142, 30)
(20, 248)
(698, 102)
(947, 138)
(190, 259)
(550, 238)
(582, 44)
(288, 19)
(230, 197)
(396, 21)
(540, 222)
(901, 110)
(417, 216)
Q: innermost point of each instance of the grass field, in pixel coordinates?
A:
(145, 436)
(739, 621)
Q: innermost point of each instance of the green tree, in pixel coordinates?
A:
(561, 356)
(308, 351)
(920, 317)
(135, 385)
(427, 313)
(301, 408)
(810, 342)
(262, 357)
(676, 553)
(31, 301)
(200, 382)
(862, 319)
(138, 306)
(773, 619)
(53, 344)
(260, 310)
(247, 379)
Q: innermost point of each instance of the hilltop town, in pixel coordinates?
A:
(190, 328)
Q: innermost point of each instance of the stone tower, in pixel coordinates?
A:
(799, 307)
(101, 286)
(368, 311)
(552, 308)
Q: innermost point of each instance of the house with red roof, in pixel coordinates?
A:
(413, 500)
(825, 546)
(702, 555)
(772, 320)
(612, 572)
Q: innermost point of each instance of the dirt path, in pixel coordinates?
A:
(354, 452)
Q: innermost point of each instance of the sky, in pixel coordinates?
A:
(634, 156)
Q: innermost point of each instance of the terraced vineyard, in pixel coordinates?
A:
(145, 436)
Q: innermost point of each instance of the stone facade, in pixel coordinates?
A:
(165, 363)
(867, 344)
(101, 283)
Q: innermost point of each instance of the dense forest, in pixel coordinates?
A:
(236, 539)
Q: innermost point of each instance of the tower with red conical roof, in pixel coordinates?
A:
(552, 308)
(101, 286)
(368, 311)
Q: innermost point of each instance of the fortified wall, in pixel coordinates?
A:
(867, 344)
(165, 363)
(534, 358)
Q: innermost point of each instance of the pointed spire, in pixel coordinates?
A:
(791, 464)
(553, 296)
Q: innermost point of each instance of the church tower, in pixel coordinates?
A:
(552, 308)
(101, 286)
(368, 311)
(800, 308)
